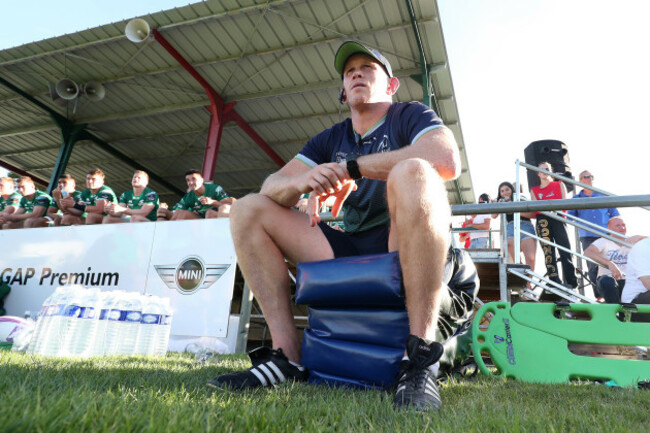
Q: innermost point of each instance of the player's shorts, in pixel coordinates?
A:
(344, 244)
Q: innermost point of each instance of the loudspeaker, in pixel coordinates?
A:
(55, 97)
(94, 91)
(137, 30)
(552, 151)
(67, 89)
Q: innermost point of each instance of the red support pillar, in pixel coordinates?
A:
(220, 113)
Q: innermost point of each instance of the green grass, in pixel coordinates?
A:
(141, 394)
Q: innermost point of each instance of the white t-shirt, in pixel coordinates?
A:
(613, 252)
(638, 265)
(479, 219)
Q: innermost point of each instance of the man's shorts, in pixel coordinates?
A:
(344, 244)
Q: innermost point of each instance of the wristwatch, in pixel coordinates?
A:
(352, 166)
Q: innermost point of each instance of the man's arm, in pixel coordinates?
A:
(143, 211)
(286, 185)
(437, 146)
(38, 212)
(596, 255)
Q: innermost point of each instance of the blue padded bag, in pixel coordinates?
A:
(319, 378)
(385, 327)
(365, 364)
(362, 281)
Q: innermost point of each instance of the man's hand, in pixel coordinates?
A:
(340, 195)
(207, 201)
(616, 272)
(67, 202)
(325, 179)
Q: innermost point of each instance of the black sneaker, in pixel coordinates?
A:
(270, 368)
(416, 385)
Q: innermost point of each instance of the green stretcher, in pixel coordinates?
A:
(530, 341)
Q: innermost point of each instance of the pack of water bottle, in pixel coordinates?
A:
(82, 322)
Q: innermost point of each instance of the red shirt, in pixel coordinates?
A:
(552, 191)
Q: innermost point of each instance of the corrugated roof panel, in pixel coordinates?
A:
(276, 62)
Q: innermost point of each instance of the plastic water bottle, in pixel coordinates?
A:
(42, 323)
(56, 313)
(130, 325)
(151, 316)
(80, 333)
(115, 319)
(164, 329)
(105, 305)
(70, 319)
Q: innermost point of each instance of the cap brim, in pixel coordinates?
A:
(345, 51)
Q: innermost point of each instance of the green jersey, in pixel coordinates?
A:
(40, 199)
(132, 201)
(103, 193)
(12, 200)
(190, 201)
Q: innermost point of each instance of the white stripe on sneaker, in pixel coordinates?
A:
(277, 371)
(268, 373)
(259, 376)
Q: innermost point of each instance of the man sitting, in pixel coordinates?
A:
(9, 199)
(395, 157)
(94, 197)
(137, 205)
(66, 189)
(34, 205)
(637, 288)
(611, 278)
(203, 200)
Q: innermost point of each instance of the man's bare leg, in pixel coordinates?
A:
(420, 218)
(264, 234)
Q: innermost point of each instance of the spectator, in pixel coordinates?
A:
(66, 196)
(613, 256)
(9, 199)
(35, 205)
(396, 157)
(137, 205)
(94, 197)
(203, 200)
(526, 243)
(595, 216)
(479, 239)
(637, 286)
(553, 230)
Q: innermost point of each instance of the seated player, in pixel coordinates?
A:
(136, 206)
(204, 200)
(65, 197)
(35, 205)
(94, 197)
(9, 199)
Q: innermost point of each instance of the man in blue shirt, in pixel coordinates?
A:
(595, 216)
(386, 165)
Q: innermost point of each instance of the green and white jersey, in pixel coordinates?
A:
(12, 200)
(40, 199)
(190, 201)
(132, 201)
(103, 193)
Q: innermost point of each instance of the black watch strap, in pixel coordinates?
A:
(353, 168)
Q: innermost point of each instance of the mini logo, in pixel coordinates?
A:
(190, 275)
(498, 340)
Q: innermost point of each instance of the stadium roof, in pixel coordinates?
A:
(269, 62)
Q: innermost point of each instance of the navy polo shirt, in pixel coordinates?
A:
(403, 125)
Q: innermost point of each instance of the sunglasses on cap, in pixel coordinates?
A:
(588, 176)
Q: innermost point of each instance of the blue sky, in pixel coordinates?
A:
(523, 70)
